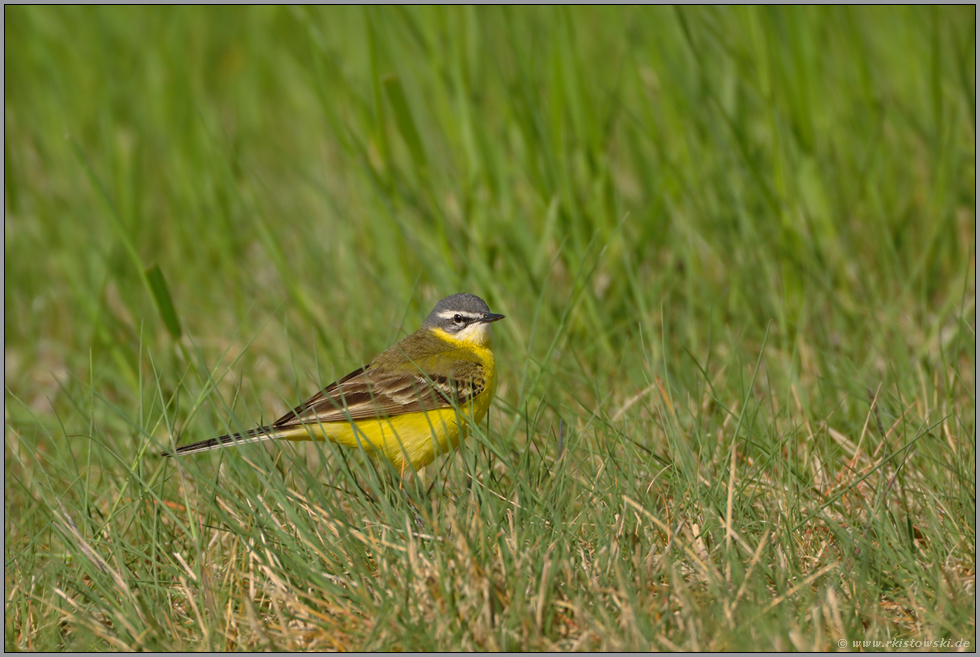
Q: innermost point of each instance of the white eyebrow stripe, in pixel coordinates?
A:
(449, 314)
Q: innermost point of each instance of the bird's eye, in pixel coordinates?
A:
(458, 318)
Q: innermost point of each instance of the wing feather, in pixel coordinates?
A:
(393, 384)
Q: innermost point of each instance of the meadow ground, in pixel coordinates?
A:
(735, 248)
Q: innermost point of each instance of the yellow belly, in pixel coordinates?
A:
(413, 438)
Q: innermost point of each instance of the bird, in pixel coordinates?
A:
(411, 403)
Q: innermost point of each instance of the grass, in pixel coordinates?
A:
(735, 248)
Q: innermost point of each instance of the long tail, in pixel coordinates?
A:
(257, 435)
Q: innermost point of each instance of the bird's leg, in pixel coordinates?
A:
(415, 510)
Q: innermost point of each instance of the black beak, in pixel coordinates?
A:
(490, 317)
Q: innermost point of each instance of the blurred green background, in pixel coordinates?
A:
(765, 217)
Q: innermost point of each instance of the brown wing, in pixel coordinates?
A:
(393, 385)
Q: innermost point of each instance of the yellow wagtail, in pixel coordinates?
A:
(411, 403)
